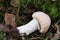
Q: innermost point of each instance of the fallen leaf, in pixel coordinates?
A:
(15, 3)
(10, 19)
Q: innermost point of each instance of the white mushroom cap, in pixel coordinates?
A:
(44, 21)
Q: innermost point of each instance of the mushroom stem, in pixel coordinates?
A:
(29, 27)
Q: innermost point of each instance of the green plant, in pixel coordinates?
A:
(2, 35)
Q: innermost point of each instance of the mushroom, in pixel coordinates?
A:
(40, 21)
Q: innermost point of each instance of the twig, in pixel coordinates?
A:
(27, 3)
(34, 38)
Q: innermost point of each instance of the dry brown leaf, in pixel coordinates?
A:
(15, 3)
(10, 19)
(57, 34)
(4, 28)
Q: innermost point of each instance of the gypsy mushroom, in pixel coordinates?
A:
(40, 21)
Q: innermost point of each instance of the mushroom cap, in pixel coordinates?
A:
(43, 20)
